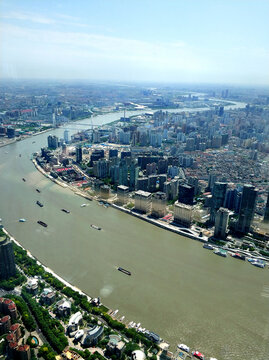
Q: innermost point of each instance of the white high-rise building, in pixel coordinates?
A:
(183, 214)
(143, 201)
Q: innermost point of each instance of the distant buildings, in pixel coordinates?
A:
(247, 208)
(7, 260)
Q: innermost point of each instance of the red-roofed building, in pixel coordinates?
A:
(12, 310)
(11, 337)
(16, 330)
(5, 324)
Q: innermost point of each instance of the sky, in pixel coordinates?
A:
(179, 41)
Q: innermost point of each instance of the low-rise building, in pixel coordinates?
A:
(74, 322)
(32, 286)
(115, 346)
(48, 296)
(63, 307)
(92, 336)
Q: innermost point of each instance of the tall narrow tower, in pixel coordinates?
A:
(7, 260)
(247, 208)
(266, 213)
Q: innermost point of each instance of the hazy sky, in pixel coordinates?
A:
(212, 41)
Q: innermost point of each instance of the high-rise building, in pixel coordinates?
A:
(122, 194)
(113, 153)
(158, 204)
(142, 183)
(53, 142)
(211, 180)
(79, 154)
(66, 136)
(221, 223)
(183, 214)
(7, 260)
(186, 194)
(143, 201)
(218, 197)
(266, 212)
(247, 208)
(134, 172)
(123, 173)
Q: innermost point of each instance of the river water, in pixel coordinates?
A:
(178, 289)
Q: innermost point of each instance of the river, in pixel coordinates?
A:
(177, 289)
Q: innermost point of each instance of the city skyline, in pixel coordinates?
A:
(201, 42)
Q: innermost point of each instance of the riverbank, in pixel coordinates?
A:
(47, 269)
(188, 233)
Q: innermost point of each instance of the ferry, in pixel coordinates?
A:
(38, 190)
(124, 271)
(238, 256)
(96, 227)
(22, 220)
(42, 223)
(39, 203)
(220, 252)
(198, 355)
(66, 211)
(259, 264)
(23, 179)
(208, 246)
(183, 347)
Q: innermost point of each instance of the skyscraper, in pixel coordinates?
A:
(66, 136)
(218, 197)
(53, 142)
(221, 223)
(185, 194)
(7, 260)
(266, 213)
(78, 154)
(247, 208)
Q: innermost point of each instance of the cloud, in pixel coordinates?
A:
(25, 16)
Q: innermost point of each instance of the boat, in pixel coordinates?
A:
(39, 203)
(124, 271)
(220, 252)
(42, 223)
(96, 227)
(83, 205)
(66, 211)
(38, 190)
(198, 355)
(259, 264)
(183, 347)
(23, 179)
(238, 256)
(19, 155)
(33, 142)
(22, 220)
(208, 246)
